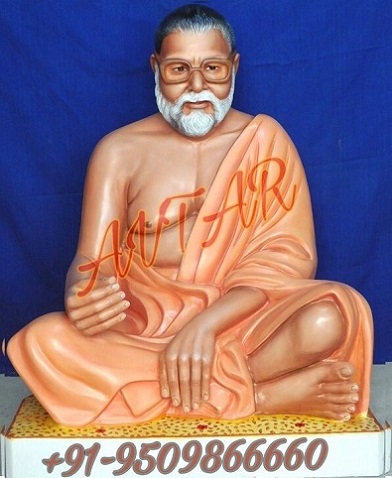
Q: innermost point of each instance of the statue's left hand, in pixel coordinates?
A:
(185, 366)
(103, 308)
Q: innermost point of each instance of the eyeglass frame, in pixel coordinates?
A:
(192, 68)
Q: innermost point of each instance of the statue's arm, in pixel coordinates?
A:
(96, 303)
(185, 366)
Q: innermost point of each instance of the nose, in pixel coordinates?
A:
(196, 81)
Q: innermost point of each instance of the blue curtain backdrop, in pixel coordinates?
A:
(73, 70)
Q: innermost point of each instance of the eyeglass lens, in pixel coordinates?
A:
(181, 70)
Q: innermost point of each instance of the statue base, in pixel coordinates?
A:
(279, 446)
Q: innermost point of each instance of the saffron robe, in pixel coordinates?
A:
(255, 229)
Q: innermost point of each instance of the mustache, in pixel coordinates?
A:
(193, 97)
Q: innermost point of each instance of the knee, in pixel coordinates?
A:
(320, 328)
(37, 334)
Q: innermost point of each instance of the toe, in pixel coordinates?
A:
(341, 416)
(343, 412)
(346, 371)
(341, 388)
(344, 409)
(340, 371)
(341, 399)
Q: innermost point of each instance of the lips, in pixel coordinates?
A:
(197, 105)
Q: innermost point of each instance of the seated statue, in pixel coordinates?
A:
(192, 291)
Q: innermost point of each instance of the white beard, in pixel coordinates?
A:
(196, 123)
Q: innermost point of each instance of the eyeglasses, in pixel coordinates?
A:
(214, 70)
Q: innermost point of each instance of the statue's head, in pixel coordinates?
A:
(195, 62)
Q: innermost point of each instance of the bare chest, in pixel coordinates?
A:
(172, 184)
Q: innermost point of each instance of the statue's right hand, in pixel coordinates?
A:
(98, 311)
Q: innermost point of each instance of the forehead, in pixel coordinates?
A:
(191, 46)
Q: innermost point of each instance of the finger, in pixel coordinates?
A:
(205, 378)
(96, 308)
(82, 283)
(184, 374)
(163, 377)
(102, 316)
(103, 291)
(108, 301)
(73, 301)
(172, 376)
(196, 371)
(96, 329)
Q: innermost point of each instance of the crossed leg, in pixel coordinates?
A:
(291, 370)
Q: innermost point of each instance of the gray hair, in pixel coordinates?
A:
(195, 19)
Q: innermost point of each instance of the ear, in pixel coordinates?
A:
(153, 62)
(236, 62)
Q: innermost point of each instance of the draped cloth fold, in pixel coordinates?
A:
(255, 229)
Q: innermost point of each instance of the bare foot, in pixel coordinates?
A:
(323, 390)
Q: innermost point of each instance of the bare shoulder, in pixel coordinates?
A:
(145, 127)
(124, 138)
(123, 148)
